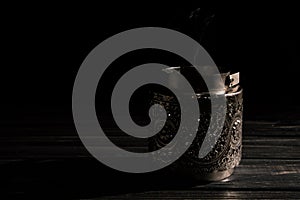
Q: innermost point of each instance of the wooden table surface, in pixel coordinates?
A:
(51, 162)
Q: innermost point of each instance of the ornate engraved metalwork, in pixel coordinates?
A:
(226, 154)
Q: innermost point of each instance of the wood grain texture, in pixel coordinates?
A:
(60, 165)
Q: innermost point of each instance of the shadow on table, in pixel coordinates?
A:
(81, 178)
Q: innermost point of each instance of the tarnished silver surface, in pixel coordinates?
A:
(226, 154)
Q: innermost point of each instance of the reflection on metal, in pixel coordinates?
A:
(226, 154)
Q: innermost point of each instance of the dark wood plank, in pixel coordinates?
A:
(227, 194)
(270, 166)
(253, 179)
(254, 147)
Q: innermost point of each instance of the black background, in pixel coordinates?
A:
(43, 47)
